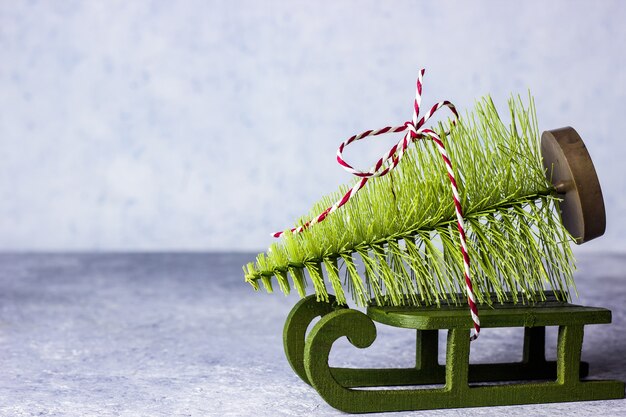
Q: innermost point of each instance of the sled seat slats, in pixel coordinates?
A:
(507, 315)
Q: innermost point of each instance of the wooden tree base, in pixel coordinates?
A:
(308, 356)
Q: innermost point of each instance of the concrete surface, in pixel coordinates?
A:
(182, 335)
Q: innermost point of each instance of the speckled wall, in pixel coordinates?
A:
(206, 125)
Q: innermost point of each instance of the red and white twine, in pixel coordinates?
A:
(415, 131)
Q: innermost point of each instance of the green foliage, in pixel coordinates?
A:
(396, 241)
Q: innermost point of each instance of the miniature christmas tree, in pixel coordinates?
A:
(514, 202)
(395, 242)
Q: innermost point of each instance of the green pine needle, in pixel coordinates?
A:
(397, 243)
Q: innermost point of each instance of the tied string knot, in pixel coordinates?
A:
(412, 129)
(415, 130)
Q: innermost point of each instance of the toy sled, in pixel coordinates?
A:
(533, 380)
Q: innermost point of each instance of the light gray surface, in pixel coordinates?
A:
(181, 334)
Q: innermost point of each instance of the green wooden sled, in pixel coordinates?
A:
(533, 380)
(308, 356)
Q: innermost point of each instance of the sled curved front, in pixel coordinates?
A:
(361, 332)
(336, 385)
(294, 332)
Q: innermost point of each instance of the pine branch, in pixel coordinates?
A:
(401, 227)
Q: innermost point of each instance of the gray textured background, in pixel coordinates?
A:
(209, 124)
(182, 335)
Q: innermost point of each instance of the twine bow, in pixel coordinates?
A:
(415, 130)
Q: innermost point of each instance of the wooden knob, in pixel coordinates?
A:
(570, 169)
